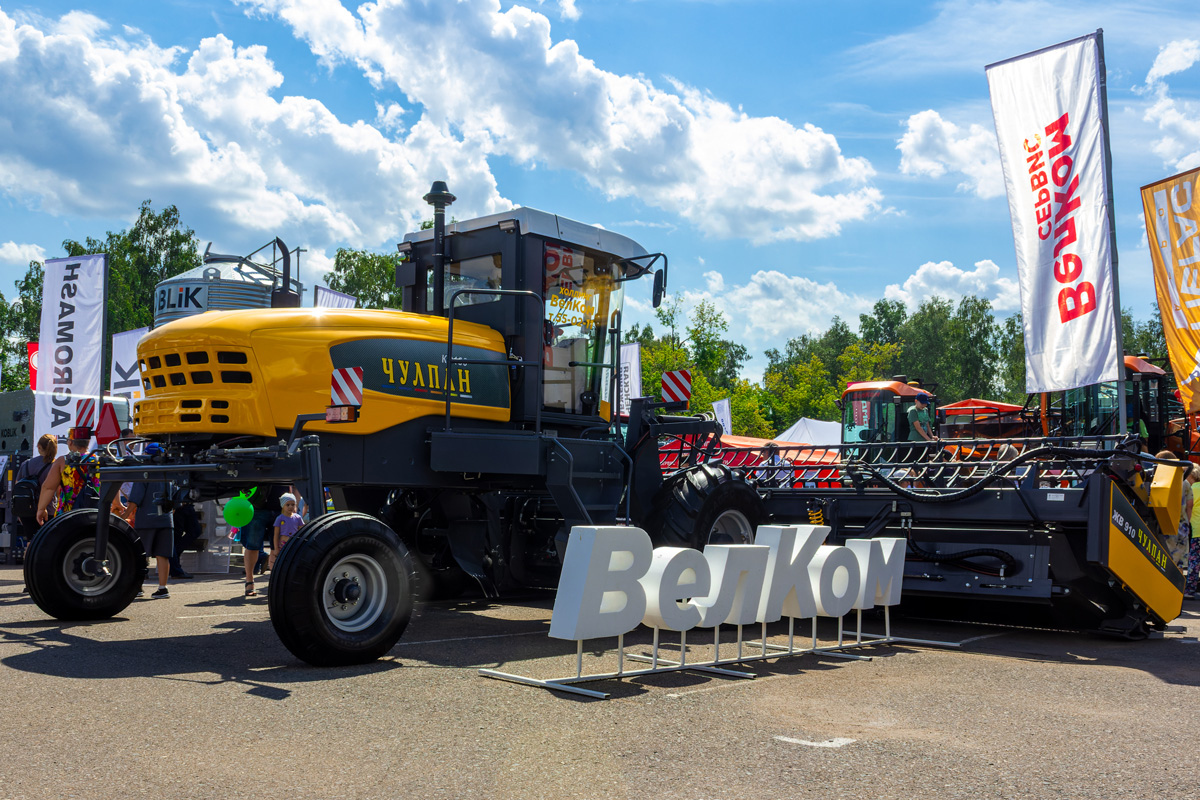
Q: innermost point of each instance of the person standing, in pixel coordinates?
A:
(187, 531)
(286, 525)
(919, 428)
(1193, 563)
(150, 506)
(72, 482)
(265, 499)
(36, 469)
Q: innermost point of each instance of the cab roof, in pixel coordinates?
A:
(551, 226)
(1141, 365)
(895, 387)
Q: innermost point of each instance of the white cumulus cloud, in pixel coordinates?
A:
(1177, 120)
(943, 279)
(933, 146)
(499, 80)
(19, 255)
(93, 124)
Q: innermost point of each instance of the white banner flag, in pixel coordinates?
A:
(724, 414)
(324, 297)
(124, 379)
(631, 374)
(1050, 116)
(70, 349)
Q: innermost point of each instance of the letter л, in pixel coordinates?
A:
(737, 572)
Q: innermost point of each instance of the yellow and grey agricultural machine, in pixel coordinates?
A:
(487, 431)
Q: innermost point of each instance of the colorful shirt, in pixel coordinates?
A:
(288, 525)
(74, 480)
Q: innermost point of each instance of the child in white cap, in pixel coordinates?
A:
(286, 525)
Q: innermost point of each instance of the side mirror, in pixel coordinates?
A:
(660, 286)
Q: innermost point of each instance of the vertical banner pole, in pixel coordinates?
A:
(1102, 77)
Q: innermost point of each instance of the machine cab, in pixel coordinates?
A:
(877, 411)
(569, 281)
(1150, 406)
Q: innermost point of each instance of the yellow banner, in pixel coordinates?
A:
(1172, 210)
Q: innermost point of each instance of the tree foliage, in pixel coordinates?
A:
(371, 277)
(156, 247)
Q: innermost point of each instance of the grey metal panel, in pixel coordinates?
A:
(551, 226)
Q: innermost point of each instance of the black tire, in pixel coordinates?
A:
(323, 563)
(708, 504)
(53, 567)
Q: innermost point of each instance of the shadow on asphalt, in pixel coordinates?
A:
(233, 652)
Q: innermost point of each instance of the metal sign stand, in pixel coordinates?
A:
(716, 666)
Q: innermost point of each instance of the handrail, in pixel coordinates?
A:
(523, 293)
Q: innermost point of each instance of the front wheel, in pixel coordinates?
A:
(56, 567)
(342, 590)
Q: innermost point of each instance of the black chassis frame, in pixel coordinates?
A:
(211, 473)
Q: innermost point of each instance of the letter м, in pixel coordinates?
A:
(599, 593)
(881, 564)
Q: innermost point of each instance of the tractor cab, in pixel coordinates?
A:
(877, 411)
(1150, 406)
(561, 287)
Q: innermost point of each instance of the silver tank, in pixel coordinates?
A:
(223, 283)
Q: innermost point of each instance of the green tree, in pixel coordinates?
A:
(1010, 350)
(884, 324)
(800, 390)
(371, 277)
(1146, 338)
(20, 323)
(717, 357)
(155, 248)
(863, 361)
(926, 353)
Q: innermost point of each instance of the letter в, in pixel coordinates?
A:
(598, 593)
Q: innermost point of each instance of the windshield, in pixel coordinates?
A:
(582, 295)
(868, 416)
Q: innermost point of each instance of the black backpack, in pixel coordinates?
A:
(26, 494)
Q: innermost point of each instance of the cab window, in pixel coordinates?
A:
(581, 295)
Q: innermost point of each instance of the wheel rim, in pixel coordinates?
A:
(355, 593)
(80, 581)
(731, 527)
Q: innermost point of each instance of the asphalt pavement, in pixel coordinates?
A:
(194, 697)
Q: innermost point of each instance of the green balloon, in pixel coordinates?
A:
(239, 512)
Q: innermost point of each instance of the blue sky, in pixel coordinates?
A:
(795, 160)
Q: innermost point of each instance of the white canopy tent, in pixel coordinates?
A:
(812, 431)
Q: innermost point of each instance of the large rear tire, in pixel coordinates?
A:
(708, 504)
(342, 590)
(54, 567)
